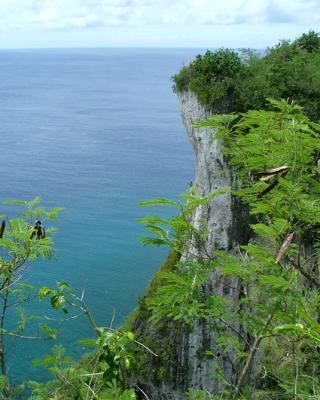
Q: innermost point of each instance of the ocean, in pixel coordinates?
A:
(94, 131)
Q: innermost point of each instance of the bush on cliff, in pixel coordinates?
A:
(211, 76)
(238, 82)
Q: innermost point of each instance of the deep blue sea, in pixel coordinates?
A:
(94, 131)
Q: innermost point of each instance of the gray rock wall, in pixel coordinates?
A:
(212, 173)
(222, 219)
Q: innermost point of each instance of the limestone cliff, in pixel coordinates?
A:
(224, 224)
(188, 367)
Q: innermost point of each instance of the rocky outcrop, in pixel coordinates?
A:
(212, 173)
(224, 223)
(223, 219)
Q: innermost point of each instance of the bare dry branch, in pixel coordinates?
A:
(284, 247)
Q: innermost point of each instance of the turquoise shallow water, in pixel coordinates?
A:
(95, 132)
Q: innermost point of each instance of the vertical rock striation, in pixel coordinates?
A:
(222, 219)
(212, 173)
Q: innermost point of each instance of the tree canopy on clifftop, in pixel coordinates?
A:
(232, 81)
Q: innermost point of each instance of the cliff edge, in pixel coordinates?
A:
(183, 359)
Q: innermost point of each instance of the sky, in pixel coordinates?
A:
(154, 23)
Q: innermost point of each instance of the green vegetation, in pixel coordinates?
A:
(275, 155)
(17, 250)
(101, 375)
(212, 77)
(226, 81)
(111, 351)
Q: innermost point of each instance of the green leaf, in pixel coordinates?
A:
(26, 286)
(276, 282)
(34, 202)
(45, 291)
(87, 342)
(285, 328)
(153, 220)
(157, 231)
(153, 242)
(53, 214)
(130, 335)
(16, 202)
(161, 201)
(218, 121)
(50, 332)
(64, 286)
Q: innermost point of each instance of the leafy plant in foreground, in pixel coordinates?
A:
(102, 374)
(272, 332)
(17, 250)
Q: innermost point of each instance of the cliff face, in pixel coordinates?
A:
(212, 172)
(223, 221)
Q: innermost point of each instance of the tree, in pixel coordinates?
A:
(309, 41)
(225, 81)
(211, 76)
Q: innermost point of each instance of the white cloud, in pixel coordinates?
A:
(165, 23)
(68, 14)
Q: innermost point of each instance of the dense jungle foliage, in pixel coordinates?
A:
(230, 81)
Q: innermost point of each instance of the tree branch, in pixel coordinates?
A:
(252, 353)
